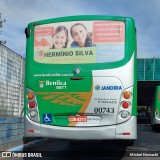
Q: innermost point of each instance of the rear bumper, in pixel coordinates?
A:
(83, 133)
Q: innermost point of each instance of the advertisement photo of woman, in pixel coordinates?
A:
(80, 35)
(60, 38)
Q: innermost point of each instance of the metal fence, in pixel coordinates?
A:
(148, 69)
(11, 82)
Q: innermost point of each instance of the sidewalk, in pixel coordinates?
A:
(20, 148)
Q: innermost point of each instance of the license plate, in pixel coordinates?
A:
(77, 118)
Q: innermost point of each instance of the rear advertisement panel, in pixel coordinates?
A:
(78, 42)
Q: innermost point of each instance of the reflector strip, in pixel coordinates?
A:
(126, 133)
(32, 131)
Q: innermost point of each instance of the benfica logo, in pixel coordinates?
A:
(41, 84)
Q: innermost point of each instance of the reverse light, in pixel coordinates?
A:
(33, 114)
(127, 94)
(124, 114)
(30, 95)
(32, 104)
(125, 104)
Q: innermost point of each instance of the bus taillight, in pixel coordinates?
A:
(30, 95)
(127, 94)
(125, 114)
(125, 104)
(32, 104)
(33, 114)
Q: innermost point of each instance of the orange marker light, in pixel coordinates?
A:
(30, 95)
(127, 95)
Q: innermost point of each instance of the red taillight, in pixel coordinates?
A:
(32, 104)
(125, 104)
(31, 130)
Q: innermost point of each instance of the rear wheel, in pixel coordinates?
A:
(154, 127)
(130, 143)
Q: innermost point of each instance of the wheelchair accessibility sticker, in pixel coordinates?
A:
(47, 118)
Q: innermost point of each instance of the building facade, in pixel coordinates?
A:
(11, 82)
(148, 69)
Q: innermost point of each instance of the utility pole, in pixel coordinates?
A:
(1, 25)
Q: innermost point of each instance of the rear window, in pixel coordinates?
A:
(79, 42)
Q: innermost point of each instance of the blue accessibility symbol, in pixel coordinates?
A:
(47, 118)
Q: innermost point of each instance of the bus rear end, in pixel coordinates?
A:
(155, 111)
(80, 91)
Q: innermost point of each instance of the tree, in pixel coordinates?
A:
(1, 25)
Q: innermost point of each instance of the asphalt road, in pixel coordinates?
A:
(148, 142)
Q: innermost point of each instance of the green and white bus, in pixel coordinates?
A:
(81, 81)
(155, 110)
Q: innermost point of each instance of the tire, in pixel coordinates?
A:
(154, 127)
(130, 143)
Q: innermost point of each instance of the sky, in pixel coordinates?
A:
(18, 13)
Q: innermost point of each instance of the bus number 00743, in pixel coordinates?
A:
(103, 110)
